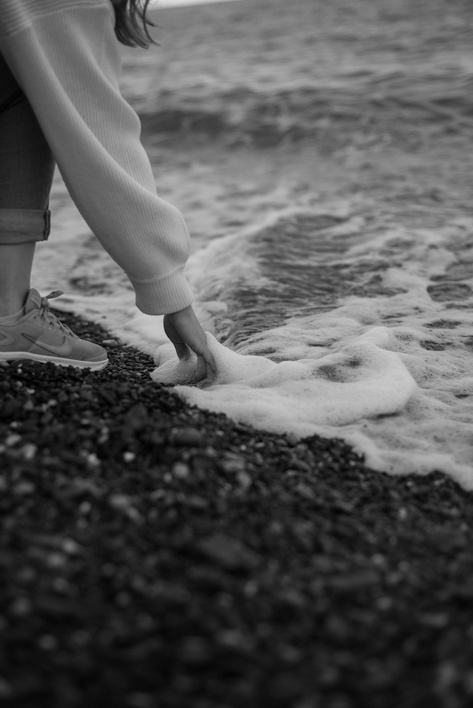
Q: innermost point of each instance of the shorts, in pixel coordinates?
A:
(26, 167)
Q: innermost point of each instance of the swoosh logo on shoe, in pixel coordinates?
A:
(5, 339)
(63, 349)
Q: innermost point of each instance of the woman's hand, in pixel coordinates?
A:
(184, 331)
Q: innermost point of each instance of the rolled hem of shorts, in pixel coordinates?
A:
(24, 225)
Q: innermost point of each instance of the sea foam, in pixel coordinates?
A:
(360, 381)
(389, 373)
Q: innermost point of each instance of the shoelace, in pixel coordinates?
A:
(47, 316)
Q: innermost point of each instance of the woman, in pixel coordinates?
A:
(60, 103)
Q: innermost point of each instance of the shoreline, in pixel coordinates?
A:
(156, 552)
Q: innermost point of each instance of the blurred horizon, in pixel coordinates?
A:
(155, 4)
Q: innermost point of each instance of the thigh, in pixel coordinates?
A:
(26, 162)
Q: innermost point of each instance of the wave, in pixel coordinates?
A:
(266, 118)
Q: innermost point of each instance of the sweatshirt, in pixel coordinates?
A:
(65, 56)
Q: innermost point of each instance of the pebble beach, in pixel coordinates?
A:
(154, 554)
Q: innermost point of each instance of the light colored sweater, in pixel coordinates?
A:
(65, 56)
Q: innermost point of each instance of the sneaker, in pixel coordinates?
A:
(38, 335)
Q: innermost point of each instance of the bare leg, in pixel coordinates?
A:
(15, 276)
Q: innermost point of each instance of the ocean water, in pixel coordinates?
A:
(321, 156)
(158, 4)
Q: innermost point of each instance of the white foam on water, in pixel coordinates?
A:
(360, 381)
(392, 375)
(372, 371)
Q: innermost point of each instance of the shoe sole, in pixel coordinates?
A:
(76, 363)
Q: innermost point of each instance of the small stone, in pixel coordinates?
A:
(354, 581)
(299, 465)
(290, 654)
(81, 637)
(228, 552)
(197, 502)
(124, 503)
(86, 393)
(85, 508)
(92, 460)
(137, 417)
(24, 488)
(129, 456)
(111, 343)
(194, 651)
(258, 459)
(437, 620)
(180, 470)
(120, 501)
(104, 435)
(384, 603)
(304, 491)
(56, 560)
(235, 639)
(244, 480)
(60, 585)
(12, 440)
(6, 688)
(28, 451)
(232, 463)
(79, 487)
(186, 437)
(402, 514)
(47, 642)
(292, 598)
(71, 547)
(292, 439)
(21, 606)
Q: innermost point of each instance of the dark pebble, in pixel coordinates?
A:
(186, 437)
(110, 343)
(230, 553)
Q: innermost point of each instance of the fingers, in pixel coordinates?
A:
(201, 349)
(186, 333)
(209, 360)
(171, 331)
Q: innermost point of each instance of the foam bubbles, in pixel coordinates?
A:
(360, 381)
(389, 374)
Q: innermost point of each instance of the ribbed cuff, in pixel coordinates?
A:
(161, 297)
(24, 225)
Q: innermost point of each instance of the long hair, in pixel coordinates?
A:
(131, 23)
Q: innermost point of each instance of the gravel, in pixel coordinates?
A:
(154, 555)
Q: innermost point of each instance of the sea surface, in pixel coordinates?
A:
(321, 154)
(159, 4)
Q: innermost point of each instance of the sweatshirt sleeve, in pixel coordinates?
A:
(65, 56)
